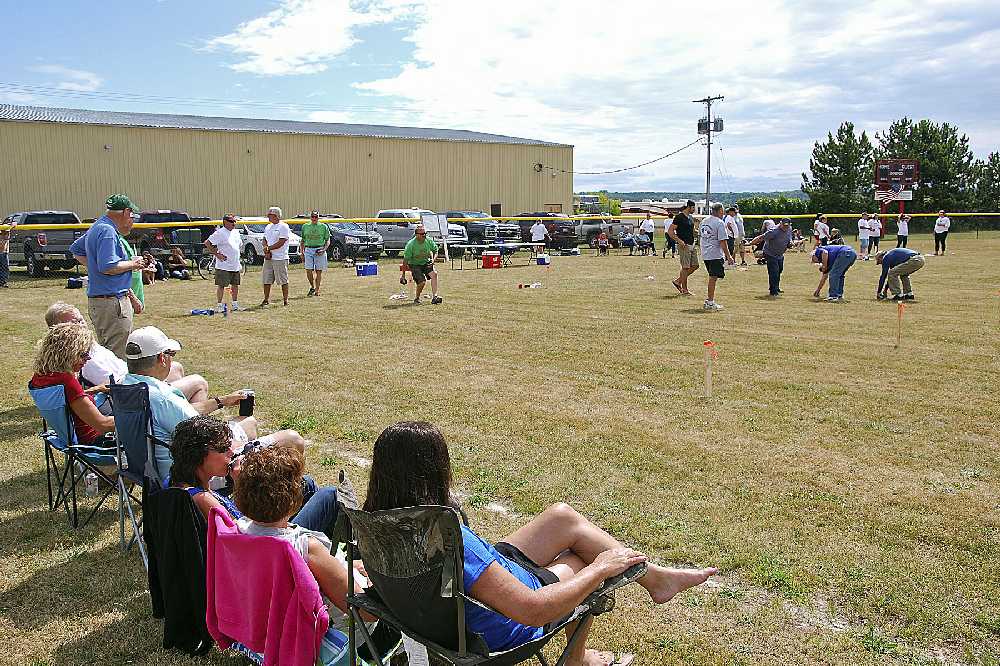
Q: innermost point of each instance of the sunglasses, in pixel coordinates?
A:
(170, 353)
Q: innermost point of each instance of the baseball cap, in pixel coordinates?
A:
(274, 210)
(689, 204)
(786, 220)
(120, 202)
(149, 341)
(229, 217)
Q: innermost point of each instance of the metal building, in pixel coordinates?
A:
(71, 159)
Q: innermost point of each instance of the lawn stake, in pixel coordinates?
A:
(711, 354)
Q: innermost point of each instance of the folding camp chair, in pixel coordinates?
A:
(59, 437)
(134, 451)
(414, 560)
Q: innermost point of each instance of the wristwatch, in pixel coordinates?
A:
(218, 402)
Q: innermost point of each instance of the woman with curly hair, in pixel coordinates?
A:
(201, 449)
(61, 354)
(532, 578)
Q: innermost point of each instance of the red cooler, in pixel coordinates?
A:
(491, 260)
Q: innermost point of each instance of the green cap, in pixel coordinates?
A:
(120, 202)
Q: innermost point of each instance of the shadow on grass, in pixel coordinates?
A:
(697, 311)
(20, 422)
(42, 531)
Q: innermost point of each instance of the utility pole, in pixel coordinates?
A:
(707, 126)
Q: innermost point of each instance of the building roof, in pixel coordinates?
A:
(15, 113)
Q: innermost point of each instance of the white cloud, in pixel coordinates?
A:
(303, 36)
(77, 80)
(617, 81)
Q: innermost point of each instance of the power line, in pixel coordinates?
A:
(540, 166)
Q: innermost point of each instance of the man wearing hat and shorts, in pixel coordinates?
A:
(224, 245)
(110, 301)
(714, 251)
(150, 354)
(419, 255)
(681, 230)
(315, 241)
(276, 235)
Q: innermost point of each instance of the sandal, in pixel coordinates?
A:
(618, 658)
(677, 287)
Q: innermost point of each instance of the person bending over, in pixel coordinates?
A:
(897, 264)
(61, 354)
(536, 575)
(834, 261)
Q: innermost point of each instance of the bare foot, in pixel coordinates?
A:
(595, 658)
(664, 584)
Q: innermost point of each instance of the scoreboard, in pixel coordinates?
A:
(904, 173)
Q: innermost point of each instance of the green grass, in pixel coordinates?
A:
(848, 490)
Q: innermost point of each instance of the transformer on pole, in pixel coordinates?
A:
(706, 126)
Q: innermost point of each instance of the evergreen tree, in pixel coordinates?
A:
(841, 171)
(988, 184)
(947, 165)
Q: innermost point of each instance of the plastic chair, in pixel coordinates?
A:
(414, 559)
(59, 437)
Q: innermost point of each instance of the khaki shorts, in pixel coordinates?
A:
(275, 271)
(226, 278)
(112, 319)
(688, 256)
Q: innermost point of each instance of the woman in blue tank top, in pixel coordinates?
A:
(559, 550)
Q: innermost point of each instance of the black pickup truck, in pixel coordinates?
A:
(562, 229)
(482, 229)
(41, 249)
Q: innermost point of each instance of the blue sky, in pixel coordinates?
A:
(617, 83)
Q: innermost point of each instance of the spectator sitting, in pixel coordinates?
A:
(150, 354)
(559, 550)
(104, 364)
(153, 270)
(60, 356)
(602, 243)
(627, 239)
(798, 241)
(835, 237)
(177, 264)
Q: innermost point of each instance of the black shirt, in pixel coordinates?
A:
(685, 228)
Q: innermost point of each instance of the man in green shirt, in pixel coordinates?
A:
(315, 241)
(419, 255)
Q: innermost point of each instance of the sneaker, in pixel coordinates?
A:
(909, 296)
(712, 306)
(234, 307)
(4, 285)
(833, 299)
(219, 307)
(899, 297)
(312, 292)
(881, 297)
(417, 301)
(265, 303)
(436, 299)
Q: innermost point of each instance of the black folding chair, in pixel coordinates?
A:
(78, 460)
(135, 454)
(414, 560)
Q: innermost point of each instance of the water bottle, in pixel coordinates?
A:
(90, 484)
(203, 311)
(225, 309)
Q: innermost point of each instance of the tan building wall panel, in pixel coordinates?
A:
(74, 167)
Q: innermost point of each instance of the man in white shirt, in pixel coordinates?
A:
(276, 235)
(104, 365)
(714, 250)
(646, 228)
(538, 233)
(741, 230)
(874, 234)
(941, 227)
(863, 231)
(224, 244)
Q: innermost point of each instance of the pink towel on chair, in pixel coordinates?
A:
(262, 594)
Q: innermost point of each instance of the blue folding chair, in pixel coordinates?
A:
(135, 444)
(59, 436)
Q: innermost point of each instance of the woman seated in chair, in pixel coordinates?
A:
(61, 355)
(202, 449)
(177, 264)
(532, 578)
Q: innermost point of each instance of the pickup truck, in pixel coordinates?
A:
(157, 241)
(589, 226)
(38, 250)
(397, 226)
(481, 229)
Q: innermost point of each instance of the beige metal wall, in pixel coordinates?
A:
(58, 166)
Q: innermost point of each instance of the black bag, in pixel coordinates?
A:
(74, 283)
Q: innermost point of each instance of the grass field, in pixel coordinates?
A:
(848, 491)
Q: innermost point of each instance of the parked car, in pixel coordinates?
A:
(562, 229)
(347, 239)
(481, 229)
(252, 239)
(401, 224)
(38, 250)
(588, 227)
(157, 241)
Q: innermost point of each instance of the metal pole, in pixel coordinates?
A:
(708, 160)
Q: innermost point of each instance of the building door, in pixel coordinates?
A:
(496, 210)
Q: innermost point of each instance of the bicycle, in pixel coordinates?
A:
(206, 266)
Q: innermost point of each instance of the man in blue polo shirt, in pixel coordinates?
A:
(833, 260)
(110, 301)
(897, 265)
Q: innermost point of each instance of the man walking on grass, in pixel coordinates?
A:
(276, 235)
(773, 244)
(864, 232)
(681, 231)
(315, 241)
(224, 245)
(419, 255)
(714, 251)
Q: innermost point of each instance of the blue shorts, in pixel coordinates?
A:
(864, 244)
(315, 258)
